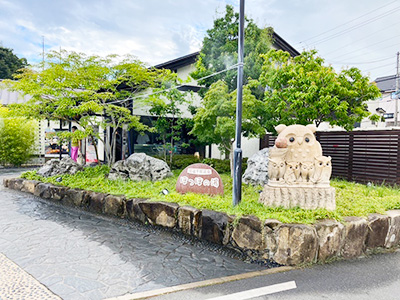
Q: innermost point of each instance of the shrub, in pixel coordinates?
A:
(17, 139)
(223, 165)
(181, 161)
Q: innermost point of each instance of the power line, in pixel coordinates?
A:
(366, 46)
(372, 11)
(335, 35)
(385, 71)
(391, 64)
(172, 88)
(363, 38)
(357, 56)
(361, 63)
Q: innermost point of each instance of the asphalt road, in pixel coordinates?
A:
(373, 277)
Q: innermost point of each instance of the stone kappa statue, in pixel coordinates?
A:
(299, 175)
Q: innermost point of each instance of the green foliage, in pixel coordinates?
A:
(223, 165)
(301, 90)
(17, 138)
(220, 47)
(169, 112)
(74, 86)
(214, 121)
(220, 165)
(181, 161)
(351, 199)
(10, 63)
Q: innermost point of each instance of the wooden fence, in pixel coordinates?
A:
(360, 156)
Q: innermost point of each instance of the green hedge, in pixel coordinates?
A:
(223, 165)
(17, 138)
(181, 161)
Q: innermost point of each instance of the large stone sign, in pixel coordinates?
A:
(200, 179)
(299, 175)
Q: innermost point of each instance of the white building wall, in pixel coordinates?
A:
(249, 147)
(184, 74)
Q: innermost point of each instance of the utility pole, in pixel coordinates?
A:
(237, 153)
(397, 92)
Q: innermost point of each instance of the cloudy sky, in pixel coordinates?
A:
(357, 33)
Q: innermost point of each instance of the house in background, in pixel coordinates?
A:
(184, 65)
(47, 145)
(386, 105)
(131, 142)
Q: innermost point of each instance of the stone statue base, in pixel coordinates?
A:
(303, 197)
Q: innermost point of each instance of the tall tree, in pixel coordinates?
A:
(214, 122)
(302, 90)
(168, 109)
(10, 63)
(90, 90)
(219, 51)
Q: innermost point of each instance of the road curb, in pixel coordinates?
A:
(198, 284)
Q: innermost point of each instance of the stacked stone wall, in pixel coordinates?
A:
(286, 244)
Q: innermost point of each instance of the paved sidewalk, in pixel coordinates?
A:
(15, 283)
(82, 256)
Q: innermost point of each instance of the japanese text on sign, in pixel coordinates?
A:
(199, 181)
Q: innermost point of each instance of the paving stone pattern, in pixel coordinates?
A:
(83, 256)
(15, 283)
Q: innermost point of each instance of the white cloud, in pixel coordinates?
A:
(159, 30)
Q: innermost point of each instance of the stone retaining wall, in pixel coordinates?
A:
(286, 244)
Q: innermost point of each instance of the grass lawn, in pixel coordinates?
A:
(352, 199)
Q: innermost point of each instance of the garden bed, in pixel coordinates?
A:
(352, 199)
(364, 220)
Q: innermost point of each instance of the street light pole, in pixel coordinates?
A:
(237, 153)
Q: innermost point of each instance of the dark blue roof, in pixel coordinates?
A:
(189, 59)
(386, 83)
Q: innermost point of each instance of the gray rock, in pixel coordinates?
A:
(16, 183)
(43, 190)
(272, 223)
(29, 186)
(329, 234)
(189, 220)
(6, 181)
(296, 244)
(58, 192)
(393, 236)
(248, 233)
(75, 197)
(118, 171)
(269, 238)
(134, 211)
(160, 213)
(213, 226)
(58, 167)
(354, 235)
(378, 226)
(115, 205)
(140, 166)
(96, 202)
(257, 168)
